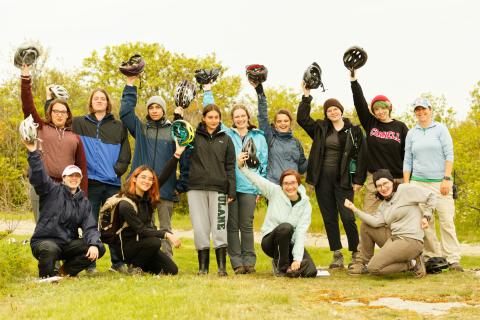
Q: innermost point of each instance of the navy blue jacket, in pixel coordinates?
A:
(61, 212)
(154, 145)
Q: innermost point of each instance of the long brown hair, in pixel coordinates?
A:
(129, 187)
(109, 102)
(48, 115)
(244, 108)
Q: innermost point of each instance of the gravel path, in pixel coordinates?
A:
(25, 227)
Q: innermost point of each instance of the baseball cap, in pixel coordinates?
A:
(71, 169)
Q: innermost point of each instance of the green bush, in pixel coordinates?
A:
(16, 262)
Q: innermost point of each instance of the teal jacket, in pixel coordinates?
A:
(243, 184)
(280, 210)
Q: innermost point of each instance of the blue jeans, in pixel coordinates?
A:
(98, 193)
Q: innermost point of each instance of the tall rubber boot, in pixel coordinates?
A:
(203, 261)
(221, 254)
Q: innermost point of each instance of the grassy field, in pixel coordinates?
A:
(257, 296)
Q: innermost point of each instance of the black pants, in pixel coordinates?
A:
(277, 245)
(147, 255)
(47, 252)
(331, 197)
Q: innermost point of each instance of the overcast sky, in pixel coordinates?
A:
(413, 46)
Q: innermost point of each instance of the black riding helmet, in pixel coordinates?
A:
(250, 148)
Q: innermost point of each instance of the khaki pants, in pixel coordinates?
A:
(445, 208)
(370, 205)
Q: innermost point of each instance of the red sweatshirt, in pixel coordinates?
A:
(60, 147)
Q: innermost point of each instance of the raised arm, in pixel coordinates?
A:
(303, 114)
(127, 107)
(361, 105)
(28, 105)
(266, 187)
(263, 121)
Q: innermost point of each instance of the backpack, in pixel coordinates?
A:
(109, 219)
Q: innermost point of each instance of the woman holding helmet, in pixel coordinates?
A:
(59, 146)
(245, 137)
(336, 168)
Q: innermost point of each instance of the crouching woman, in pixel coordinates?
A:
(63, 210)
(397, 226)
(140, 241)
(286, 223)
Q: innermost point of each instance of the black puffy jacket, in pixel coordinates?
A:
(212, 162)
(61, 212)
(317, 130)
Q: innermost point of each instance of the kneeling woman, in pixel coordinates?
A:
(285, 227)
(140, 241)
(397, 226)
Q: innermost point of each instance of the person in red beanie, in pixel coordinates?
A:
(386, 149)
(336, 167)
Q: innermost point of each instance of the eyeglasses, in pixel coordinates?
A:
(143, 177)
(289, 184)
(383, 185)
(60, 112)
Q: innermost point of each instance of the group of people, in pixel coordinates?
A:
(76, 165)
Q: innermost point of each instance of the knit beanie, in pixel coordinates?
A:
(331, 103)
(382, 173)
(158, 100)
(381, 101)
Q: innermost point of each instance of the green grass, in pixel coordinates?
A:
(257, 296)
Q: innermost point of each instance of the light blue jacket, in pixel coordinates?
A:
(280, 210)
(242, 183)
(426, 150)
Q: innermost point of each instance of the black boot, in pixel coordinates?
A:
(221, 254)
(203, 261)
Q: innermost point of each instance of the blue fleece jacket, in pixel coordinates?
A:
(154, 145)
(426, 150)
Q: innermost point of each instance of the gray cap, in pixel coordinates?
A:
(158, 100)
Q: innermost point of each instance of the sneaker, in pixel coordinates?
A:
(123, 269)
(240, 270)
(337, 262)
(134, 271)
(455, 266)
(250, 269)
(356, 269)
(419, 269)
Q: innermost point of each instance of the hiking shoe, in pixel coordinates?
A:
(419, 269)
(354, 258)
(250, 269)
(123, 269)
(356, 269)
(240, 270)
(337, 262)
(134, 271)
(455, 266)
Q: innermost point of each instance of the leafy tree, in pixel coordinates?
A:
(163, 71)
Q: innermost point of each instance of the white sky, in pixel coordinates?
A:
(413, 46)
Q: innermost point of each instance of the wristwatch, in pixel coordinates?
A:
(447, 178)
